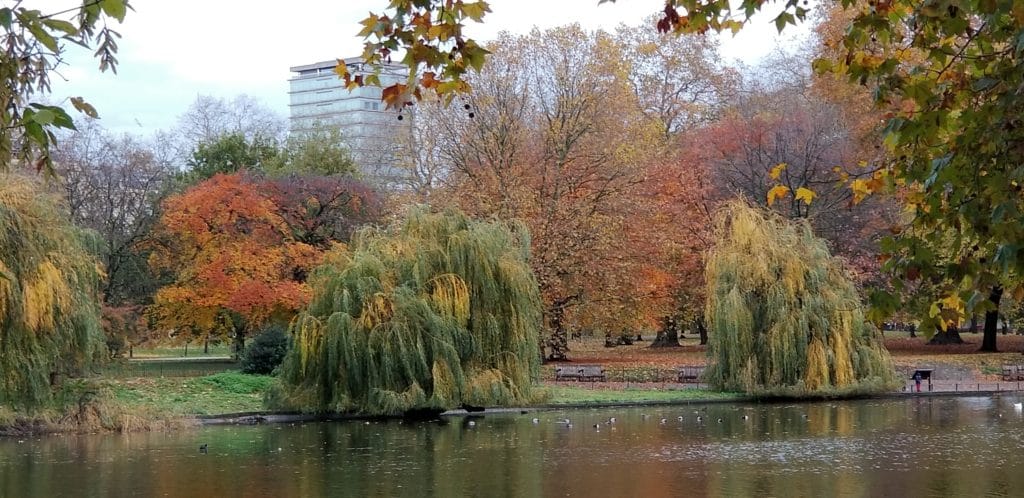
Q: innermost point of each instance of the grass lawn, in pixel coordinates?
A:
(227, 392)
(570, 395)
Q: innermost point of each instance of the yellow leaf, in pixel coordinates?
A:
(776, 171)
(860, 190)
(805, 194)
(777, 192)
(953, 303)
(341, 70)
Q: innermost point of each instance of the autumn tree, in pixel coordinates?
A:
(239, 253)
(49, 303)
(322, 210)
(679, 81)
(434, 312)
(947, 73)
(113, 186)
(668, 232)
(556, 142)
(785, 145)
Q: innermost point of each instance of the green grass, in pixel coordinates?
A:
(565, 395)
(227, 392)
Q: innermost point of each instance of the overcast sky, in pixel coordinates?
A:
(172, 51)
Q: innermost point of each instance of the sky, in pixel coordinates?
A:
(172, 51)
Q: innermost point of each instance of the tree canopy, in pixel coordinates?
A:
(947, 73)
(238, 249)
(783, 318)
(49, 293)
(433, 312)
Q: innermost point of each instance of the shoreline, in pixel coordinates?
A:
(37, 426)
(272, 417)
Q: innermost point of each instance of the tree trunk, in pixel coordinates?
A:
(206, 346)
(702, 330)
(668, 335)
(988, 341)
(239, 343)
(558, 341)
(949, 336)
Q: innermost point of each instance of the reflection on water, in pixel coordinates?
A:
(910, 447)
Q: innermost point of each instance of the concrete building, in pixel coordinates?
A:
(376, 137)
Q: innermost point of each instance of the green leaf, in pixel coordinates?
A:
(6, 16)
(985, 84)
(114, 8)
(1005, 256)
(475, 10)
(61, 25)
(61, 118)
(43, 116)
(40, 34)
(783, 19)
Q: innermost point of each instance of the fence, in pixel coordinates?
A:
(170, 368)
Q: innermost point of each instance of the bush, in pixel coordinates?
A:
(266, 351)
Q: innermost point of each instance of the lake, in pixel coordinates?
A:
(912, 446)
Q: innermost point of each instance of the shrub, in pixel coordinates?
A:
(266, 351)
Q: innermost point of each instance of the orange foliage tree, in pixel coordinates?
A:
(560, 141)
(239, 254)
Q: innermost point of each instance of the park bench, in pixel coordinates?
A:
(689, 373)
(580, 373)
(1013, 372)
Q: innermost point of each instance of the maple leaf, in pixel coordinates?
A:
(860, 189)
(805, 194)
(776, 171)
(777, 192)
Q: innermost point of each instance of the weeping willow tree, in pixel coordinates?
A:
(784, 319)
(49, 313)
(434, 312)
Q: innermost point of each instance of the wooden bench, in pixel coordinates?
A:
(1013, 372)
(689, 373)
(580, 373)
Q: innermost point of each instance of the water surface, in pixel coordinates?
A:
(923, 446)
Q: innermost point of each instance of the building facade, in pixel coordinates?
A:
(376, 137)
